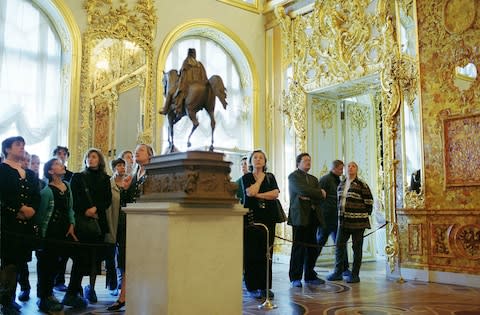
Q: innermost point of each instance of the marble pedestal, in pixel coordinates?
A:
(185, 257)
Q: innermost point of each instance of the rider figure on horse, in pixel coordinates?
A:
(192, 71)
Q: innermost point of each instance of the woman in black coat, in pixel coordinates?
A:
(92, 196)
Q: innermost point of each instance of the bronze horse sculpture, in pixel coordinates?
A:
(199, 95)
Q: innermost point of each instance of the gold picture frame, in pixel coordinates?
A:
(461, 150)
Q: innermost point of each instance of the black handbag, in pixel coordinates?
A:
(280, 215)
(87, 228)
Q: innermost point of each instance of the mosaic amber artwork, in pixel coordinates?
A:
(462, 151)
(467, 241)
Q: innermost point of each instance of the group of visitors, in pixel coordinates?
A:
(66, 215)
(318, 209)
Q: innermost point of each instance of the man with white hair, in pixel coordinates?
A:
(355, 204)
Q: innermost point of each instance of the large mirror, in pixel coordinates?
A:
(412, 148)
(410, 113)
(116, 109)
(117, 73)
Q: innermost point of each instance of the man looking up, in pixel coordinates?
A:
(329, 207)
(355, 203)
(304, 217)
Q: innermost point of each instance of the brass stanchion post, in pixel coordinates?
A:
(267, 304)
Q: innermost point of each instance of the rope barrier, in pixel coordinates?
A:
(318, 246)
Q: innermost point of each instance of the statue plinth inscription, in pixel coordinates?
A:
(189, 177)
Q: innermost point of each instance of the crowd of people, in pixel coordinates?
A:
(62, 216)
(331, 206)
(79, 216)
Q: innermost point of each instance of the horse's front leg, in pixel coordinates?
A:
(193, 117)
(212, 125)
(171, 122)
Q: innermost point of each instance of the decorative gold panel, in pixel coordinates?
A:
(359, 116)
(109, 27)
(324, 112)
(415, 239)
(467, 241)
(461, 150)
(440, 244)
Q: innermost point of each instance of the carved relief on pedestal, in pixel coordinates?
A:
(415, 239)
(467, 241)
(190, 177)
(440, 244)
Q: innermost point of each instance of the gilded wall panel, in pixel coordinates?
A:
(467, 241)
(440, 245)
(442, 47)
(415, 246)
(443, 240)
(101, 129)
(461, 150)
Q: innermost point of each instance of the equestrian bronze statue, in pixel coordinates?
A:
(188, 92)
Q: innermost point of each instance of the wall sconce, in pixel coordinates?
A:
(465, 76)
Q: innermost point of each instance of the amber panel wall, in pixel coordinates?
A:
(445, 236)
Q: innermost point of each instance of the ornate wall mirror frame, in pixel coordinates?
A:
(410, 113)
(117, 75)
(337, 43)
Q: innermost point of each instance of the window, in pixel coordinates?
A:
(233, 129)
(31, 81)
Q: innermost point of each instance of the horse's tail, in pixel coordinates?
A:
(219, 89)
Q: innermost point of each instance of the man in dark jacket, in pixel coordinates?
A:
(355, 202)
(329, 206)
(304, 217)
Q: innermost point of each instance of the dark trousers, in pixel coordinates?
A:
(111, 268)
(255, 256)
(22, 276)
(60, 267)
(303, 258)
(322, 237)
(357, 246)
(46, 269)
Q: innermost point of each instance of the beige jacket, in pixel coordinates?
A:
(113, 213)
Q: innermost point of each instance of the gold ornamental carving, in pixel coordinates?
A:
(294, 109)
(440, 243)
(412, 199)
(117, 54)
(359, 116)
(324, 112)
(287, 42)
(392, 249)
(467, 241)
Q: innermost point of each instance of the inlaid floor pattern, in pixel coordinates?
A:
(374, 295)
